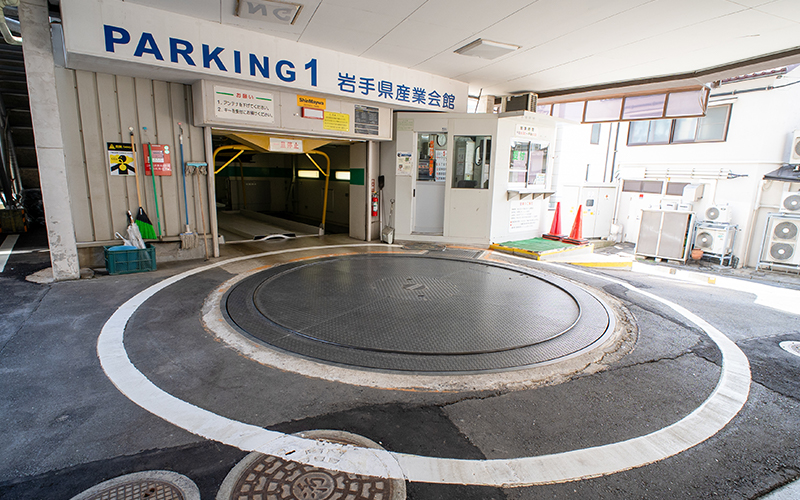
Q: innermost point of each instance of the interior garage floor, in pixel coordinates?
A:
(121, 374)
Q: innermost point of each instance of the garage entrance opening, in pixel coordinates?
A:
(270, 185)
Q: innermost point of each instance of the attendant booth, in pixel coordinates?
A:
(469, 178)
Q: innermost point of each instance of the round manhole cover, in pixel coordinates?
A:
(264, 477)
(791, 346)
(148, 485)
(417, 313)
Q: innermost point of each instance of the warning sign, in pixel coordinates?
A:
(120, 158)
(336, 121)
(524, 216)
(161, 159)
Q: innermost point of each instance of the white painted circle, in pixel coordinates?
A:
(713, 414)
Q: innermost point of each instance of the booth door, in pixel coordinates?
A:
(430, 184)
(429, 208)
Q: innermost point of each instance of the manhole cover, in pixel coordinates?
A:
(148, 485)
(791, 346)
(264, 477)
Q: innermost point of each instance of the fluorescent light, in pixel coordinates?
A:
(486, 49)
(342, 175)
(308, 174)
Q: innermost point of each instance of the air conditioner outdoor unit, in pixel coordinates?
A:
(781, 241)
(668, 205)
(790, 202)
(718, 213)
(714, 240)
(794, 154)
(522, 102)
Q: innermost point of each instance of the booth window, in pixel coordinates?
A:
(676, 188)
(528, 164)
(595, 139)
(653, 187)
(710, 128)
(431, 157)
(471, 166)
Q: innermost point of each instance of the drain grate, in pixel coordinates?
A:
(149, 485)
(271, 478)
(140, 490)
(264, 477)
(791, 346)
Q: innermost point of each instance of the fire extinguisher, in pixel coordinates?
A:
(374, 203)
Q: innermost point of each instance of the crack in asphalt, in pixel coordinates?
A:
(25, 321)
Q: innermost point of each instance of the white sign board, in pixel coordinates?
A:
(109, 35)
(524, 216)
(285, 145)
(243, 104)
(404, 164)
(526, 131)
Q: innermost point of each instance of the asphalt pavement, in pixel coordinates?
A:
(67, 427)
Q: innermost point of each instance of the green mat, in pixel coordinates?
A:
(537, 245)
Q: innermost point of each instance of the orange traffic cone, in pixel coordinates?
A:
(555, 227)
(576, 235)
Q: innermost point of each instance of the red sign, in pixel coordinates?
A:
(161, 159)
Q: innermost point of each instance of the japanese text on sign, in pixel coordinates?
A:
(160, 157)
(285, 145)
(523, 216)
(244, 105)
(120, 158)
(336, 121)
(400, 92)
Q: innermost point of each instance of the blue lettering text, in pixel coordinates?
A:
(180, 47)
(111, 40)
(263, 69)
(288, 75)
(147, 45)
(212, 56)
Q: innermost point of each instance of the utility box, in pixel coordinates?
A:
(692, 193)
(665, 234)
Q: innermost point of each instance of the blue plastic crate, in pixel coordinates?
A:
(125, 259)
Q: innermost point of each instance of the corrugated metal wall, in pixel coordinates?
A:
(97, 108)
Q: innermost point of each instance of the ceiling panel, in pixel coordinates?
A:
(787, 9)
(401, 55)
(548, 20)
(564, 43)
(399, 10)
(332, 27)
(208, 10)
(751, 3)
(290, 32)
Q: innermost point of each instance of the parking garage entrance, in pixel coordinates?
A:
(270, 186)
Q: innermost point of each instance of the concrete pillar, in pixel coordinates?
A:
(40, 73)
(358, 193)
(485, 104)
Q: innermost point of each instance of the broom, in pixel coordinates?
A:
(153, 176)
(142, 220)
